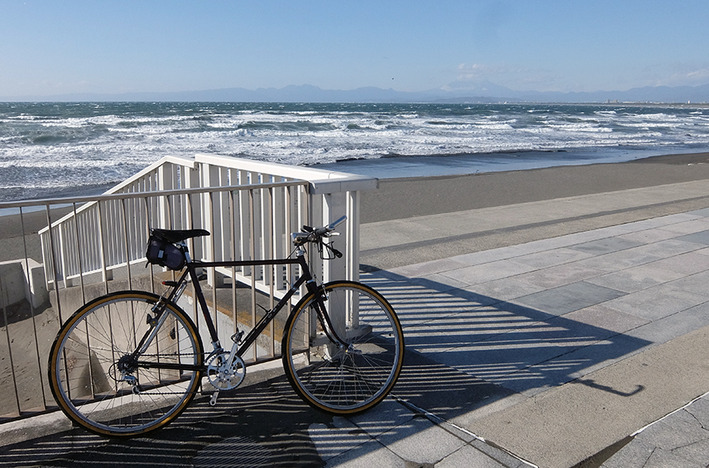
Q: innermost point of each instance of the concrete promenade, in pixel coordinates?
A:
(571, 332)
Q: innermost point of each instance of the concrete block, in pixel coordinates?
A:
(22, 280)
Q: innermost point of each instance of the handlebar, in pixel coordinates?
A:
(316, 235)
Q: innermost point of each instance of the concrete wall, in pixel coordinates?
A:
(22, 280)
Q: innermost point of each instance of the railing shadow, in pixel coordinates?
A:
(507, 347)
(464, 351)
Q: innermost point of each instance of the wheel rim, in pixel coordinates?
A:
(95, 384)
(346, 379)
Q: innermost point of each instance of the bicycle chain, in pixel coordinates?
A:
(150, 392)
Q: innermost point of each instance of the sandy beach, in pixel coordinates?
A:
(408, 197)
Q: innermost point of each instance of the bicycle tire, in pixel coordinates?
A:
(338, 380)
(84, 360)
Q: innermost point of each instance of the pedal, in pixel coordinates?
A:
(213, 400)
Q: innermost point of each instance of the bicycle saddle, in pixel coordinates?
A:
(177, 235)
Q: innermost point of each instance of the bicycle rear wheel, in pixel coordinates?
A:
(336, 378)
(94, 380)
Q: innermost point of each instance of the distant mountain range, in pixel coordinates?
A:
(482, 93)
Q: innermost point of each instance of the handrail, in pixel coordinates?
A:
(133, 195)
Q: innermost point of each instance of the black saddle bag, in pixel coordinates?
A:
(160, 252)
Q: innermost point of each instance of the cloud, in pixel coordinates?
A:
(689, 77)
(479, 75)
(677, 74)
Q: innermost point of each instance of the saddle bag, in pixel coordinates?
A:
(160, 252)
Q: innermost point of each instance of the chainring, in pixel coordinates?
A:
(225, 376)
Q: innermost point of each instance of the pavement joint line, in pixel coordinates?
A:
(522, 227)
(636, 433)
(437, 420)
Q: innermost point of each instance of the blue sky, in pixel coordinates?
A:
(50, 47)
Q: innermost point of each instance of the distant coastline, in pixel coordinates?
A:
(483, 93)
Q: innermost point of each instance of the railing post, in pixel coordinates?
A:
(334, 206)
(164, 183)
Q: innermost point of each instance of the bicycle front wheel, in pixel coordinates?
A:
(349, 377)
(97, 380)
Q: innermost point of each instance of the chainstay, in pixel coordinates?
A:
(151, 392)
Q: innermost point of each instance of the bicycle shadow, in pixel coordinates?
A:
(262, 424)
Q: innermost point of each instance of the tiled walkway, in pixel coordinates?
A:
(533, 317)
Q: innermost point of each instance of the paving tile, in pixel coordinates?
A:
(551, 258)
(677, 430)
(563, 274)
(528, 317)
(418, 305)
(648, 236)
(506, 289)
(440, 282)
(331, 442)
(382, 418)
(628, 258)
(488, 256)
(420, 441)
(662, 458)
(564, 299)
(427, 268)
(703, 212)
(490, 271)
(696, 452)
(599, 356)
(604, 317)
(670, 247)
(604, 246)
(687, 264)
(656, 303)
(443, 390)
(689, 227)
(371, 453)
(636, 278)
(674, 325)
(634, 455)
(469, 456)
(700, 411)
(696, 283)
(701, 237)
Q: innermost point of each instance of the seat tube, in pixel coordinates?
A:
(203, 305)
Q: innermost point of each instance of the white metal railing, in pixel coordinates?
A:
(250, 208)
(97, 245)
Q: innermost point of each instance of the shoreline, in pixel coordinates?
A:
(396, 167)
(405, 197)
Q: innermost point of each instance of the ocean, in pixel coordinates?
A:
(55, 149)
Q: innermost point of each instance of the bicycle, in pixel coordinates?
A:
(130, 362)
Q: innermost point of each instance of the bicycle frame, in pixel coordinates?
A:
(245, 343)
